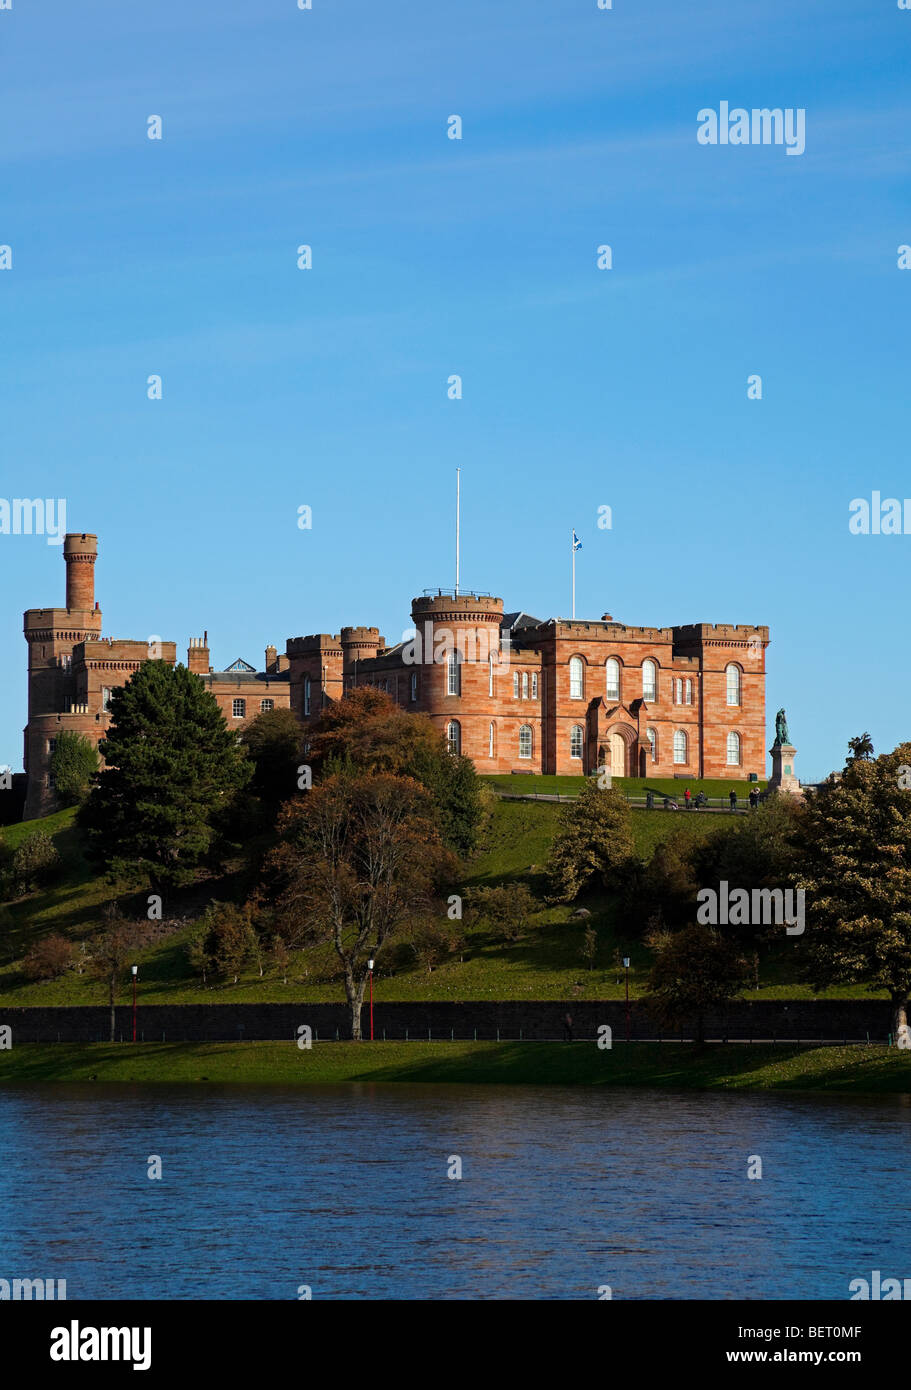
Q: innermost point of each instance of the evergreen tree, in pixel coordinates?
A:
(857, 851)
(274, 741)
(172, 765)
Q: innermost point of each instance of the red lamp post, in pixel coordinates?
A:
(135, 970)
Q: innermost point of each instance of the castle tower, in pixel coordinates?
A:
(459, 677)
(315, 673)
(52, 634)
(80, 551)
(359, 644)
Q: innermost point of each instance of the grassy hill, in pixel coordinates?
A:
(546, 962)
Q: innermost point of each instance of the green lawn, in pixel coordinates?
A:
(525, 784)
(725, 1067)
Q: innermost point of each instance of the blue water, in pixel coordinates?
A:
(345, 1189)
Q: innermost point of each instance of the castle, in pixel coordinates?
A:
(512, 692)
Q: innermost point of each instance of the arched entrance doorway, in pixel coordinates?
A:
(616, 745)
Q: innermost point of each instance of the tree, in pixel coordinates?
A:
(172, 765)
(861, 748)
(694, 970)
(593, 844)
(505, 908)
(226, 940)
(359, 858)
(590, 945)
(48, 958)
(114, 949)
(368, 732)
(273, 741)
(857, 879)
(74, 763)
(35, 862)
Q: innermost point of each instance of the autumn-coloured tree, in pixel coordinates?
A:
(359, 858)
(367, 732)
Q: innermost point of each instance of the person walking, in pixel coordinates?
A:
(733, 800)
(686, 797)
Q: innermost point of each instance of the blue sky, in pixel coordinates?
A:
(581, 387)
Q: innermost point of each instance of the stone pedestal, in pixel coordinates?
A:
(783, 778)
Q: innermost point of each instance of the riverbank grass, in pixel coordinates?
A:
(860, 1069)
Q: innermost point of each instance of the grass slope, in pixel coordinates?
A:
(545, 963)
(853, 1070)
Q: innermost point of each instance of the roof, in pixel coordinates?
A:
(520, 619)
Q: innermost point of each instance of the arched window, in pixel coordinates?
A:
(534, 685)
(733, 682)
(678, 691)
(525, 741)
(490, 675)
(491, 740)
(649, 680)
(679, 746)
(106, 698)
(576, 680)
(733, 758)
(453, 674)
(524, 685)
(612, 678)
(414, 686)
(306, 694)
(652, 737)
(575, 742)
(689, 691)
(515, 685)
(454, 736)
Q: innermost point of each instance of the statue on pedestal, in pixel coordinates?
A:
(781, 729)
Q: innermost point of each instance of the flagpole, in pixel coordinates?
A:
(572, 546)
(458, 519)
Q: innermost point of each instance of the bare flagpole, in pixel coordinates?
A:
(572, 546)
(458, 520)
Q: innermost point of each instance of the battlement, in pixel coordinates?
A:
(441, 606)
(719, 632)
(315, 643)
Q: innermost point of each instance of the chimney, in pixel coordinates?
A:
(198, 655)
(271, 658)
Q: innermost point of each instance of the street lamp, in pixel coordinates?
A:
(626, 968)
(370, 965)
(135, 970)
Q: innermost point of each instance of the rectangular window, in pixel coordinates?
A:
(51, 745)
(266, 705)
(414, 686)
(524, 685)
(515, 685)
(534, 685)
(239, 709)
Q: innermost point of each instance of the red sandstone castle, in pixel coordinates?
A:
(511, 692)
